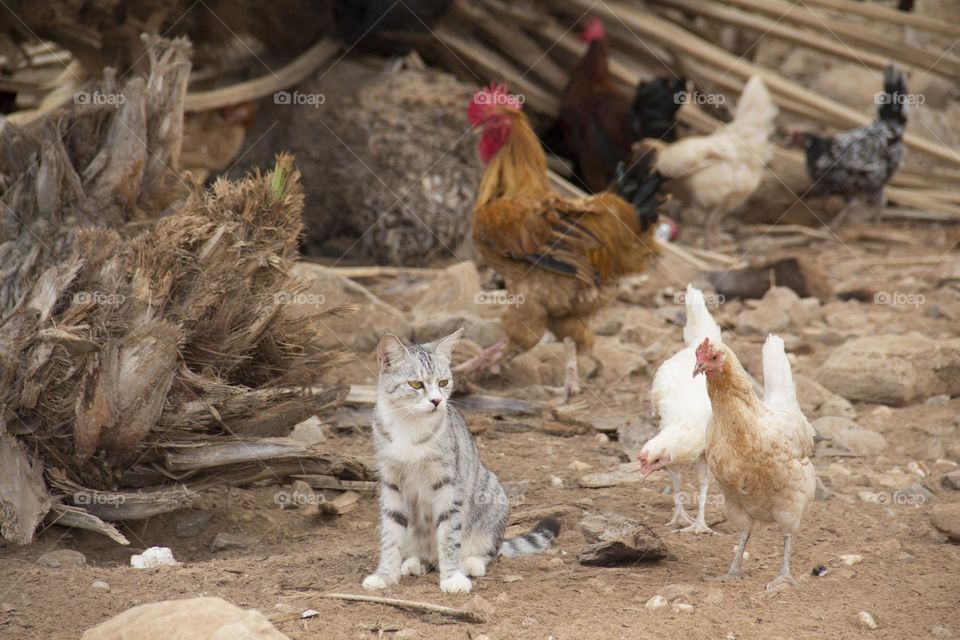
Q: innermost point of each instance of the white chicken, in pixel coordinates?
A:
(684, 409)
(758, 452)
(721, 170)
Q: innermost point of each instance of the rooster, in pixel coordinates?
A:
(560, 256)
(758, 451)
(861, 161)
(598, 122)
(684, 409)
(721, 170)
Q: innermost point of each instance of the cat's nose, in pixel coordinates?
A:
(436, 401)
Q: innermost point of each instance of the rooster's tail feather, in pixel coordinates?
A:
(893, 108)
(778, 387)
(639, 186)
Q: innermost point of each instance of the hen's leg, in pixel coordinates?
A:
(784, 576)
(712, 226)
(700, 524)
(680, 515)
(735, 572)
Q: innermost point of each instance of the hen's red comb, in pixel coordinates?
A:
(703, 350)
(593, 30)
(489, 97)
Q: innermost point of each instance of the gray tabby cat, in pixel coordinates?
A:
(439, 506)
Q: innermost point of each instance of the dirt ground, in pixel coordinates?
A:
(908, 578)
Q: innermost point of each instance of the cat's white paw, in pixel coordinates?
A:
(377, 581)
(474, 566)
(412, 567)
(457, 583)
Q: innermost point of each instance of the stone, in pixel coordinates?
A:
(945, 518)
(779, 308)
(613, 540)
(951, 480)
(673, 591)
(458, 290)
(941, 400)
(309, 432)
(831, 426)
(626, 473)
(851, 559)
(556, 481)
(657, 602)
(860, 441)
(601, 438)
(893, 369)
(511, 578)
(62, 558)
(326, 290)
(100, 584)
(479, 604)
(225, 541)
(204, 618)
(681, 607)
(485, 333)
(618, 360)
(713, 596)
(865, 619)
(940, 631)
(153, 557)
(192, 524)
(913, 495)
(406, 633)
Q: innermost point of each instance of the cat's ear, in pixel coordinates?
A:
(389, 350)
(445, 346)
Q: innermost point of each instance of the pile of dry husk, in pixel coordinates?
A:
(144, 338)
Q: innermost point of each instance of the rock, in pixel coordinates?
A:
(951, 480)
(913, 495)
(61, 558)
(817, 400)
(485, 333)
(779, 308)
(100, 584)
(657, 602)
(556, 481)
(458, 290)
(946, 519)
(153, 557)
(633, 435)
(523, 370)
(359, 331)
(188, 619)
(673, 591)
(831, 426)
(529, 622)
(940, 632)
(602, 438)
(309, 432)
(618, 360)
(609, 326)
(225, 541)
(941, 400)
(865, 619)
(851, 559)
(613, 539)
(578, 465)
(681, 607)
(511, 578)
(626, 473)
(893, 369)
(883, 412)
(860, 441)
(406, 633)
(713, 596)
(192, 524)
(480, 605)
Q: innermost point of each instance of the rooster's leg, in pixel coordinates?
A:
(712, 227)
(680, 515)
(700, 524)
(784, 576)
(571, 382)
(838, 219)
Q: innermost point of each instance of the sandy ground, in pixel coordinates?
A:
(908, 578)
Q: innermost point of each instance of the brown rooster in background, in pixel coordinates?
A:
(558, 255)
(598, 122)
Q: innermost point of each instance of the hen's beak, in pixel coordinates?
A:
(700, 368)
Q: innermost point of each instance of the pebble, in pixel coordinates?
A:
(556, 481)
(225, 541)
(406, 633)
(851, 559)
(192, 524)
(681, 607)
(529, 622)
(940, 632)
(713, 596)
(480, 604)
(916, 468)
(153, 557)
(673, 591)
(577, 465)
(946, 519)
(941, 400)
(503, 598)
(951, 480)
(62, 558)
(512, 578)
(866, 620)
(656, 602)
(882, 411)
(100, 584)
(602, 438)
(309, 432)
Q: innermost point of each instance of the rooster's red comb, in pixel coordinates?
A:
(592, 30)
(487, 98)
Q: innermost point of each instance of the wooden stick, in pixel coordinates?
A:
(412, 605)
(870, 10)
(291, 74)
(67, 516)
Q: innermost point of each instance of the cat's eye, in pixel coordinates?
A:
(442, 383)
(416, 384)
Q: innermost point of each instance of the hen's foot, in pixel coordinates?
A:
(681, 519)
(727, 577)
(782, 579)
(698, 526)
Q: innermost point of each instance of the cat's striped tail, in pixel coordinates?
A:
(537, 541)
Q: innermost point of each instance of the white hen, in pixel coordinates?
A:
(684, 408)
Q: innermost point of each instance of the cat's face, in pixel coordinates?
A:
(417, 379)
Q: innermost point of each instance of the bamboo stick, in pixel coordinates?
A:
(906, 18)
(783, 90)
(412, 605)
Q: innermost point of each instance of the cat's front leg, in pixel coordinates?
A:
(449, 536)
(394, 521)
